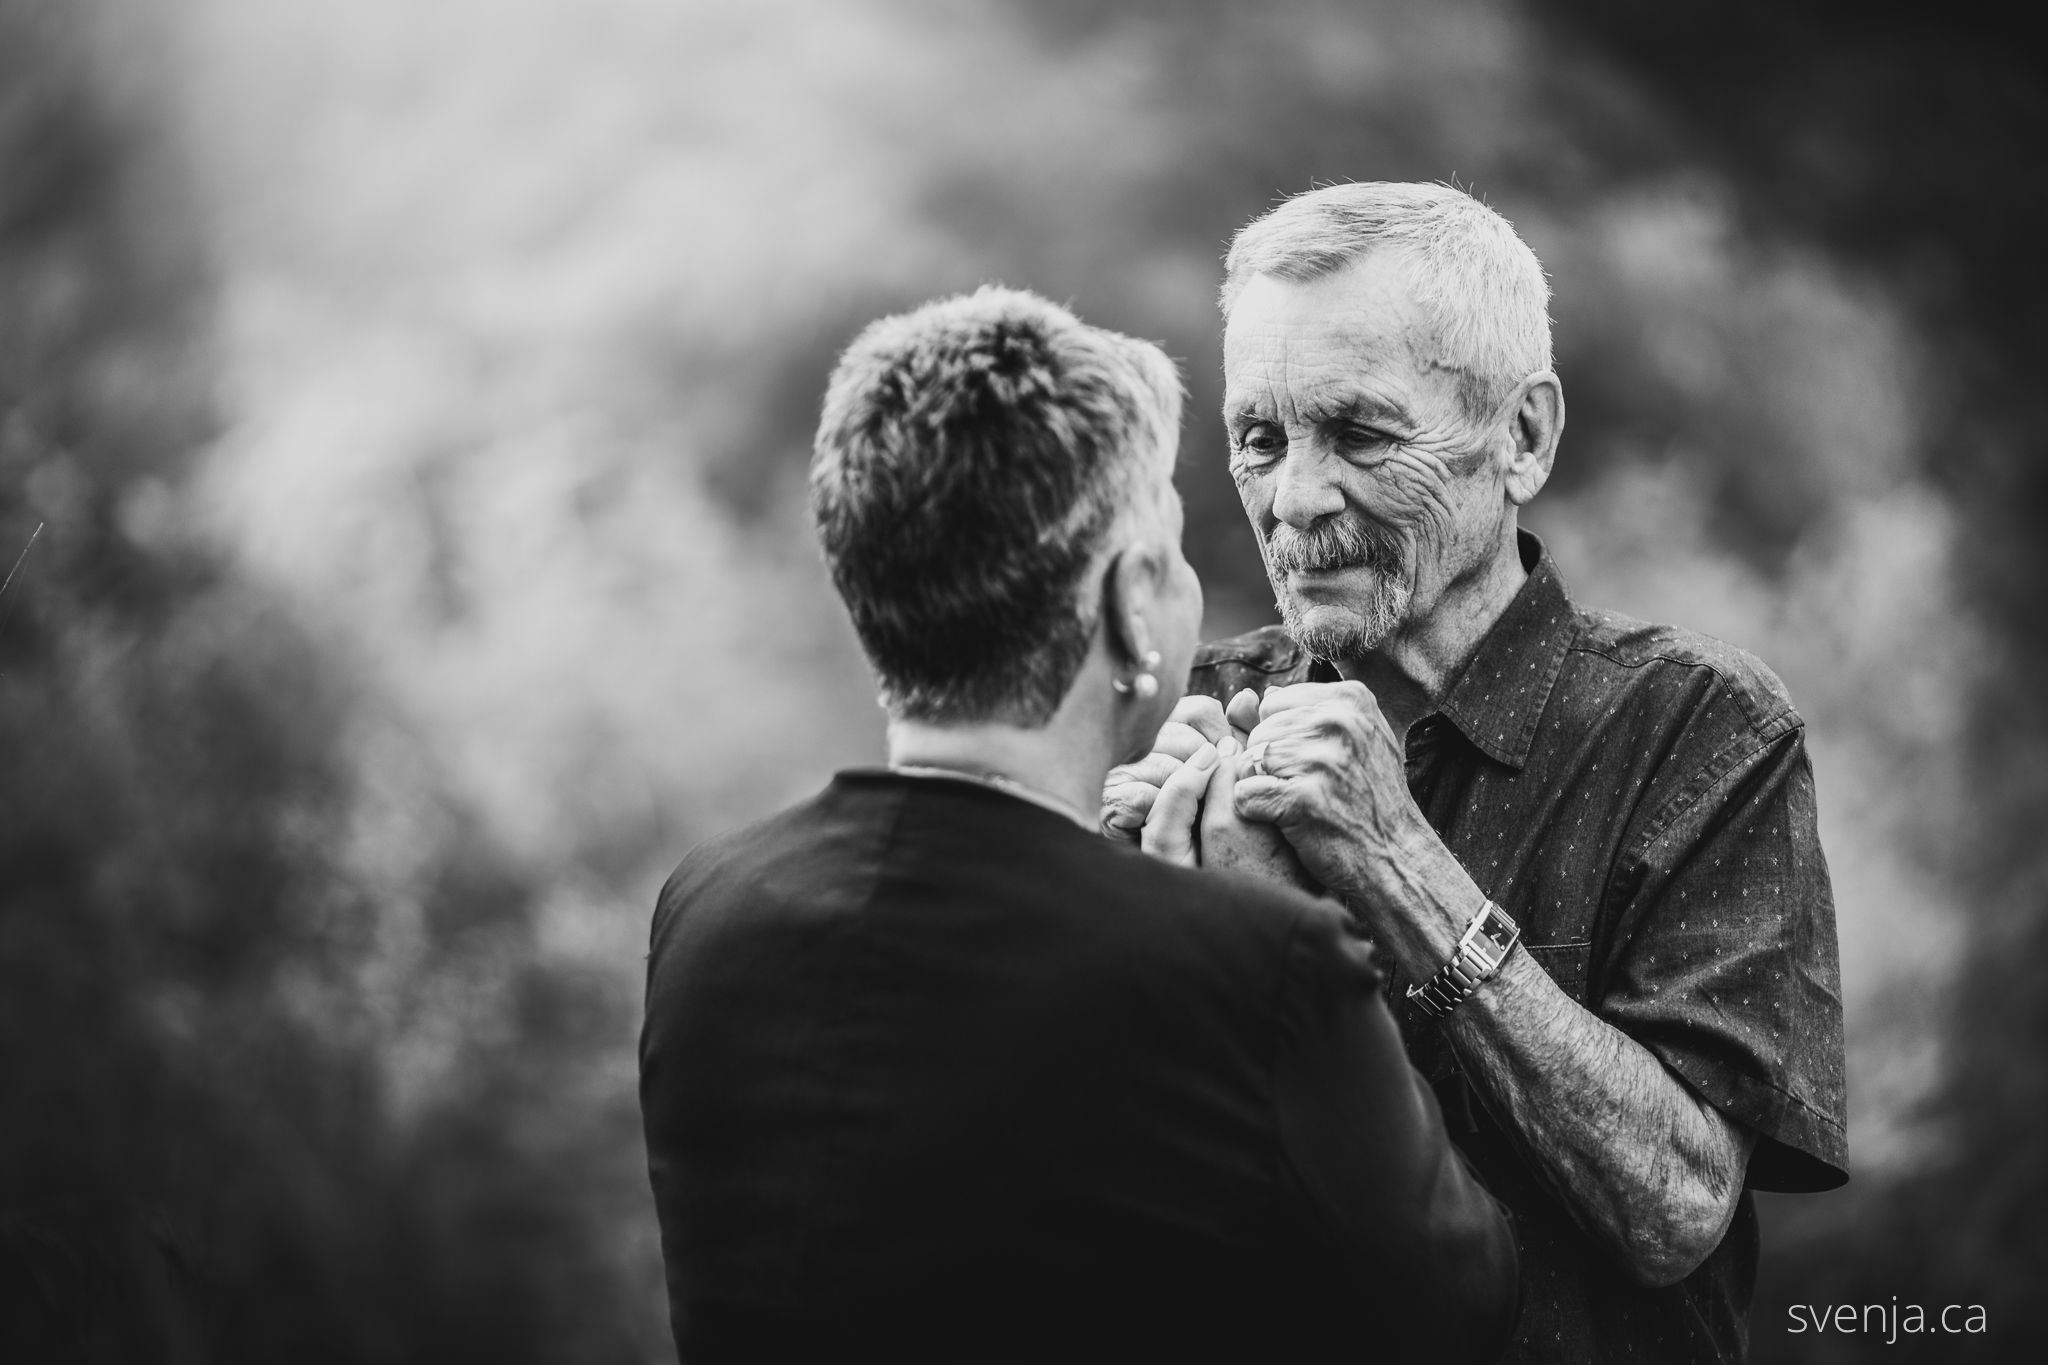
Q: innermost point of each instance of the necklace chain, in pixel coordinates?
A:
(999, 782)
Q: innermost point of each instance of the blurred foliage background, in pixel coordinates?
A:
(414, 401)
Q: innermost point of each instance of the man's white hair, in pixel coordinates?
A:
(1481, 287)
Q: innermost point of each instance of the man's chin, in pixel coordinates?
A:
(1343, 630)
(1332, 632)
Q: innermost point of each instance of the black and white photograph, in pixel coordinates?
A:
(1023, 681)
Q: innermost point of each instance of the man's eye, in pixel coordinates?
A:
(1363, 440)
(1261, 442)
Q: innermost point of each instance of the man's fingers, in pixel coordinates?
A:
(1266, 800)
(1243, 711)
(1286, 729)
(1293, 696)
(1169, 831)
(1203, 715)
(1281, 747)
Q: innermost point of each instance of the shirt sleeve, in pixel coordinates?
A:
(1724, 962)
(1366, 1149)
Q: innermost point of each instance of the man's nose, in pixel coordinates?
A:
(1307, 489)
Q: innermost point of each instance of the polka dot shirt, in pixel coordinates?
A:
(1639, 798)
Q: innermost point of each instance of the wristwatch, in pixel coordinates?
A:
(1486, 943)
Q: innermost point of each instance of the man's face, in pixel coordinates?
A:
(1362, 475)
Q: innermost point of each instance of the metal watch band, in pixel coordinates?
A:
(1485, 944)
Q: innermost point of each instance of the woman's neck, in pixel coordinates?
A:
(1056, 760)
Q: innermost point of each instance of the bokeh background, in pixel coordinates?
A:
(414, 400)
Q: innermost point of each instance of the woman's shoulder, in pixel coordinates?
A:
(1225, 899)
(1256, 938)
(817, 845)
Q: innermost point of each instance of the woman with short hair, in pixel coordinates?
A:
(931, 1070)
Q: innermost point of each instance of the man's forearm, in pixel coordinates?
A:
(1643, 1164)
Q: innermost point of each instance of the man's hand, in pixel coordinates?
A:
(1242, 713)
(1324, 767)
(1130, 790)
(1643, 1163)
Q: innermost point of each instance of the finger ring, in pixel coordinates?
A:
(1255, 763)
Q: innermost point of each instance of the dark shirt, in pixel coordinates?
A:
(1639, 799)
(930, 1073)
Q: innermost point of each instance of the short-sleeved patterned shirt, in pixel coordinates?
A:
(1639, 799)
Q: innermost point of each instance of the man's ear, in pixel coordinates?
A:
(1136, 574)
(1537, 427)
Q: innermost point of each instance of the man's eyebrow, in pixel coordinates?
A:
(1246, 399)
(1365, 410)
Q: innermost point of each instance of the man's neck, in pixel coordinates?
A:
(1410, 672)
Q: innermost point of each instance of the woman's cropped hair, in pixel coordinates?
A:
(972, 457)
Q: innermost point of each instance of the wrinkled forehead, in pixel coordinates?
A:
(1298, 340)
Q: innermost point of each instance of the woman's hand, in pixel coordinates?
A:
(1199, 824)
(1169, 829)
(1192, 820)
(1130, 790)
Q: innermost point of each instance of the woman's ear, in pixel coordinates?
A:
(1130, 589)
(1538, 425)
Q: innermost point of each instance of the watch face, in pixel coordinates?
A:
(1497, 929)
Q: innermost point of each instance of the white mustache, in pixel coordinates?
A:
(1328, 545)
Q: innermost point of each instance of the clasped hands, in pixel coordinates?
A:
(1306, 785)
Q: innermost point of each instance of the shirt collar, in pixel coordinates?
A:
(1498, 700)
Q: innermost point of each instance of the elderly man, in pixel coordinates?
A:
(1587, 844)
